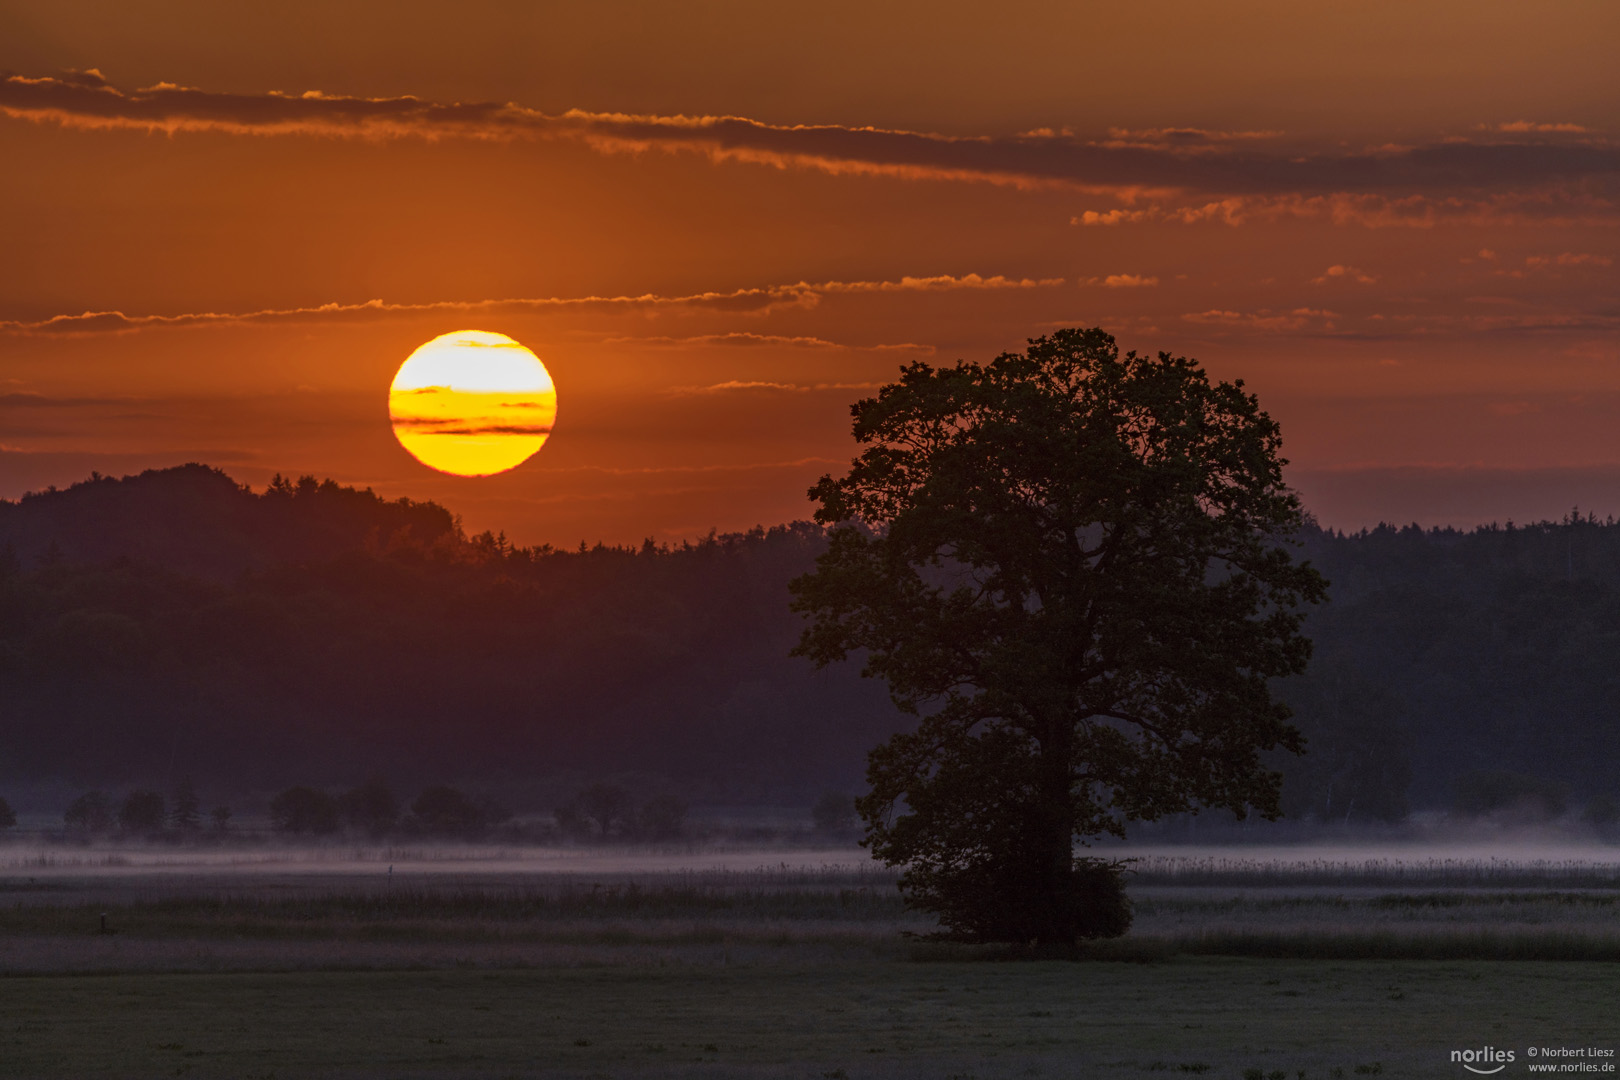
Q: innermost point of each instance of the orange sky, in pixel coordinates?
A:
(718, 224)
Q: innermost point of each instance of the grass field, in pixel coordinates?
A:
(780, 971)
(1205, 1016)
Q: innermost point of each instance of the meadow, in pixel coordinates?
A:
(438, 962)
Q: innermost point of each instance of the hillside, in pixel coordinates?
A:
(198, 521)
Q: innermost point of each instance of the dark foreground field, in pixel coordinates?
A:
(1210, 1016)
(467, 969)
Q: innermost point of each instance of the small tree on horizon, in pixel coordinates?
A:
(662, 817)
(445, 809)
(91, 812)
(142, 811)
(8, 817)
(303, 809)
(600, 810)
(187, 812)
(371, 807)
(1070, 566)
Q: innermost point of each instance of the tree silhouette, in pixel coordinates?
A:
(303, 809)
(371, 807)
(8, 817)
(142, 811)
(662, 817)
(1068, 563)
(608, 806)
(90, 812)
(445, 809)
(187, 812)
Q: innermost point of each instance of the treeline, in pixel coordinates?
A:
(600, 812)
(196, 521)
(1476, 671)
(176, 623)
(426, 656)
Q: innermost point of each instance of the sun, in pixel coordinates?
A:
(472, 403)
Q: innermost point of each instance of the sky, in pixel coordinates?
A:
(718, 224)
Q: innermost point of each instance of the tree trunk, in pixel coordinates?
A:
(1053, 841)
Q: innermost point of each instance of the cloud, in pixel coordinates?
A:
(655, 470)
(462, 427)
(1537, 264)
(1132, 166)
(734, 385)
(28, 399)
(754, 300)
(937, 283)
(1264, 319)
(1186, 139)
(1343, 273)
(1554, 205)
(1568, 258)
(746, 338)
(1520, 127)
(103, 322)
(1123, 281)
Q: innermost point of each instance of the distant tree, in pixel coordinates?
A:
(186, 814)
(1506, 794)
(1072, 566)
(371, 807)
(8, 817)
(142, 811)
(446, 810)
(834, 812)
(607, 805)
(90, 812)
(572, 822)
(662, 817)
(221, 816)
(304, 809)
(491, 811)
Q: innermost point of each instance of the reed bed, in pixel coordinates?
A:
(1386, 908)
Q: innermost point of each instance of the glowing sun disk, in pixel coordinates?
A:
(472, 403)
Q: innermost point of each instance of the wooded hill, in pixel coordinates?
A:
(175, 622)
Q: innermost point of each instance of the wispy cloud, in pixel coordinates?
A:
(1264, 319)
(1568, 258)
(779, 341)
(1593, 202)
(29, 399)
(735, 385)
(1123, 281)
(1552, 264)
(102, 322)
(1338, 272)
(751, 300)
(1133, 166)
(1523, 127)
(459, 426)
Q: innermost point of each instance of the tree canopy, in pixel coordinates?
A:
(1070, 564)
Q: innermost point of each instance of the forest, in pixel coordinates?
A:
(178, 624)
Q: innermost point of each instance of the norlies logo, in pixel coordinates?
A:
(1487, 1056)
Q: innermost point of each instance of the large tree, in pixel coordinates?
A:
(1072, 565)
